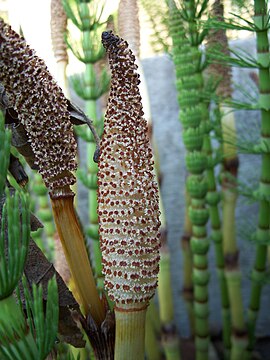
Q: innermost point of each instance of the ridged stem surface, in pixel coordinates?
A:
(193, 115)
(92, 169)
(262, 234)
(187, 265)
(225, 242)
(170, 339)
(164, 288)
(213, 201)
(130, 334)
(152, 334)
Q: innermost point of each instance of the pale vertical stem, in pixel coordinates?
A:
(164, 287)
(153, 347)
(233, 274)
(62, 77)
(230, 249)
(130, 334)
(213, 201)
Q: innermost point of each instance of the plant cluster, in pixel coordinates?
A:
(106, 308)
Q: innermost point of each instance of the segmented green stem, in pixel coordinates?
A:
(187, 265)
(213, 199)
(92, 169)
(229, 258)
(262, 234)
(193, 115)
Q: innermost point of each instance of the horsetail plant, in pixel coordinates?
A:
(193, 114)
(43, 321)
(260, 26)
(157, 17)
(86, 15)
(128, 204)
(58, 35)
(179, 40)
(129, 29)
(153, 348)
(42, 111)
(225, 241)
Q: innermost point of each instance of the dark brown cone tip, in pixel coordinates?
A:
(108, 38)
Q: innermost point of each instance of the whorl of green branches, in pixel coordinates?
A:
(158, 16)
(78, 12)
(94, 92)
(89, 50)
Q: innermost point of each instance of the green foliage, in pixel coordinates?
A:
(81, 13)
(17, 343)
(43, 321)
(89, 54)
(99, 86)
(18, 350)
(88, 180)
(18, 229)
(158, 16)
